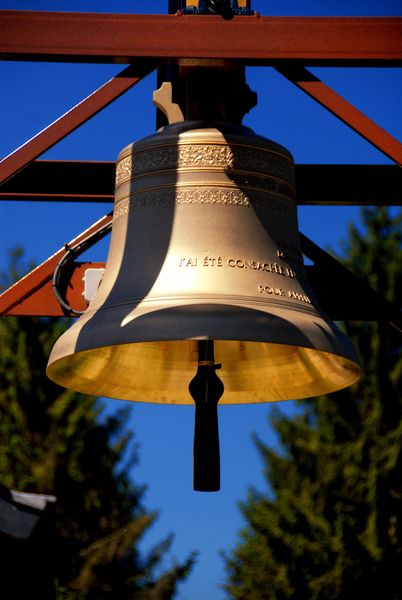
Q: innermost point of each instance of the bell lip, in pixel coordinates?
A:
(181, 396)
(182, 320)
(329, 341)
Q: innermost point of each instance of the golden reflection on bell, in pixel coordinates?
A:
(204, 265)
(204, 247)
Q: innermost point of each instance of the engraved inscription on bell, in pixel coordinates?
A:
(226, 203)
(204, 246)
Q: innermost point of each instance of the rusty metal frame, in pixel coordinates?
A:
(118, 38)
(146, 41)
(342, 109)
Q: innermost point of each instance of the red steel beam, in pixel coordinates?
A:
(117, 38)
(71, 120)
(42, 302)
(342, 109)
(33, 296)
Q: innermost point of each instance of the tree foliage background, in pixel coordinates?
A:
(330, 525)
(54, 441)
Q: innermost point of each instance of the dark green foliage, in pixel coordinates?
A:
(331, 525)
(53, 441)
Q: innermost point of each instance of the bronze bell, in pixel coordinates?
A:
(205, 246)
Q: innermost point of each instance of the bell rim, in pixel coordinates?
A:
(351, 372)
(319, 343)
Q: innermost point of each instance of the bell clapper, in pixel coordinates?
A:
(206, 389)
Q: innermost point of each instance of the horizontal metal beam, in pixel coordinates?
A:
(70, 181)
(118, 38)
(62, 181)
(349, 185)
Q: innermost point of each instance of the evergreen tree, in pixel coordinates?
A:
(54, 441)
(330, 526)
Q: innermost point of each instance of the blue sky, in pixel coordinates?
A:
(32, 95)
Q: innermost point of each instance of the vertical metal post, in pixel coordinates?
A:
(167, 72)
